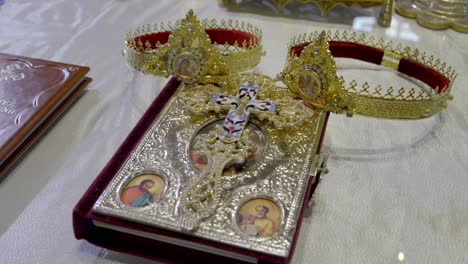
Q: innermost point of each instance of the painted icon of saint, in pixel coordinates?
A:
(259, 225)
(309, 84)
(186, 66)
(259, 218)
(142, 194)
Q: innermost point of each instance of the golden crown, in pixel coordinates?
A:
(312, 77)
(315, 62)
(194, 50)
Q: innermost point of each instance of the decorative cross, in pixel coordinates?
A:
(201, 197)
(241, 106)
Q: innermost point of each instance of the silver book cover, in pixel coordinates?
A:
(255, 201)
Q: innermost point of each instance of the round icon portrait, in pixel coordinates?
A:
(255, 153)
(186, 66)
(142, 190)
(259, 217)
(309, 83)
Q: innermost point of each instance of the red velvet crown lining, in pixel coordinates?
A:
(342, 49)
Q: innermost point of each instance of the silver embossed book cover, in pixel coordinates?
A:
(229, 165)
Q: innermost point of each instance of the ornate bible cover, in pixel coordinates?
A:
(33, 93)
(141, 201)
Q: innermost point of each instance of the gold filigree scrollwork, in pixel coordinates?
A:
(288, 113)
(203, 195)
(391, 103)
(312, 77)
(189, 53)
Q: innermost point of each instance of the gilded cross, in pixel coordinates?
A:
(201, 197)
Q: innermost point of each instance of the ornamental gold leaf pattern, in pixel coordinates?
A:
(316, 58)
(289, 112)
(203, 195)
(188, 36)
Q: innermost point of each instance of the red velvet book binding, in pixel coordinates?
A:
(184, 248)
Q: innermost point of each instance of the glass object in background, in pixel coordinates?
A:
(436, 14)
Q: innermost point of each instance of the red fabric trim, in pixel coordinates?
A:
(219, 36)
(356, 51)
(297, 50)
(425, 74)
(222, 36)
(342, 49)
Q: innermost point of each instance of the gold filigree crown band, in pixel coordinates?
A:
(194, 50)
(391, 103)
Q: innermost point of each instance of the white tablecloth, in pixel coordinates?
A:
(397, 190)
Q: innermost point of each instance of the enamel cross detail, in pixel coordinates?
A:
(240, 108)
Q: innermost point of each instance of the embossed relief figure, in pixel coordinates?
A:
(142, 190)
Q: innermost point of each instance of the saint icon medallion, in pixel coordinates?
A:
(259, 217)
(186, 66)
(142, 190)
(309, 83)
